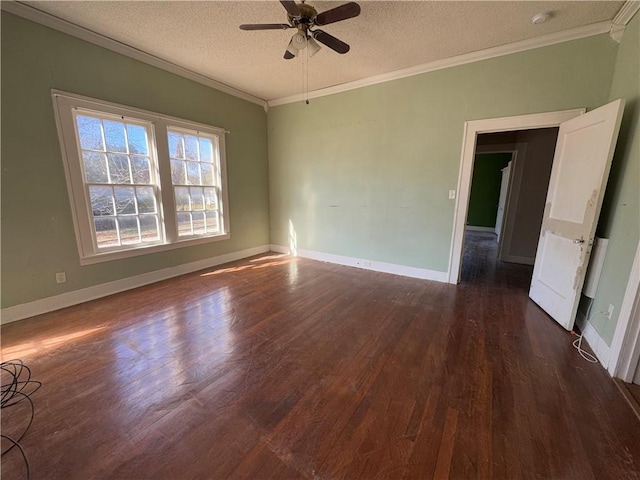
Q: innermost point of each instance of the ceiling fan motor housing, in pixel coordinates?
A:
(307, 14)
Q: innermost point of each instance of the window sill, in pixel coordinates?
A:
(135, 252)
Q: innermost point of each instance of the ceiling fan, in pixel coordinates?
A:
(305, 18)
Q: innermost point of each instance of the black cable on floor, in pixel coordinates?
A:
(17, 387)
(24, 456)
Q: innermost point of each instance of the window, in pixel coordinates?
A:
(140, 182)
(123, 192)
(194, 161)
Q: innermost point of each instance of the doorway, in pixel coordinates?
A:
(510, 178)
(581, 164)
(471, 132)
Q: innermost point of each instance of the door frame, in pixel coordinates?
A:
(472, 129)
(518, 151)
(503, 196)
(625, 348)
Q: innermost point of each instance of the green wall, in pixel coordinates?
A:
(37, 229)
(620, 218)
(485, 188)
(366, 173)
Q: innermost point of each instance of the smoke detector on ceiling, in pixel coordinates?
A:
(541, 17)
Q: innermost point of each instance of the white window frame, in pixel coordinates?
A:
(64, 104)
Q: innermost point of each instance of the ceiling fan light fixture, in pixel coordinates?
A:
(313, 46)
(298, 41)
(291, 51)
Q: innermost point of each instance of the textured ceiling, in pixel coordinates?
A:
(388, 35)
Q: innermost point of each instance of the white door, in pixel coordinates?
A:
(502, 201)
(578, 179)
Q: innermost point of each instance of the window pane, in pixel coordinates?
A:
(125, 202)
(149, 228)
(195, 161)
(182, 199)
(106, 233)
(95, 167)
(210, 199)
(176, 148)
(141, 170)
(129, 230)
(212, 222)
(146, 200)
(191, 147)
(114, 136)
(197, 198)
(90, 133)
(137, 137)
(198, 223)
(193, 173)
(119, 168)
(178, 172)
(206, 150)
(101, 201)
(184, 224)
(207, 174)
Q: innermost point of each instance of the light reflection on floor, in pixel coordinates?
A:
(39, 346)
(154, 355)
(286, 259)
(150, 352)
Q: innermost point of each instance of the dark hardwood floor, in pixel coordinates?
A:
(481, 267)
(631, 392)
(635, 392)
(278, 367)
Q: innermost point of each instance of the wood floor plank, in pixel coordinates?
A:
(445, 452)
(281, 367)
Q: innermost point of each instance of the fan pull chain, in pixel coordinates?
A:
(302, 73)
(306, 86)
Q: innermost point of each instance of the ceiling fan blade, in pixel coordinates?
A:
(291, 7)
(330, 41)
(265, 26)
(348, 10)
(291, 51)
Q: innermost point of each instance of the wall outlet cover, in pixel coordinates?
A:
(610, 310)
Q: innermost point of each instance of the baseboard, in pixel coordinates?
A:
(518, 259)
(594, 340)
(480, 229)
(49, 304)
(382, 267)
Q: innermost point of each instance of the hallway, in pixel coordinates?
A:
(480, 264)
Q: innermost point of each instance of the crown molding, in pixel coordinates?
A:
(516, 47)
(616, 33)
(626, 13)
(64, 26)
(615, 28)
(622, 18)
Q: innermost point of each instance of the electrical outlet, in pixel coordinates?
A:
(452, 194)
(610, 311)
(61, 277)
(363, 263)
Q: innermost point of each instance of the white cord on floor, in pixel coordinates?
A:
(577, 343)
